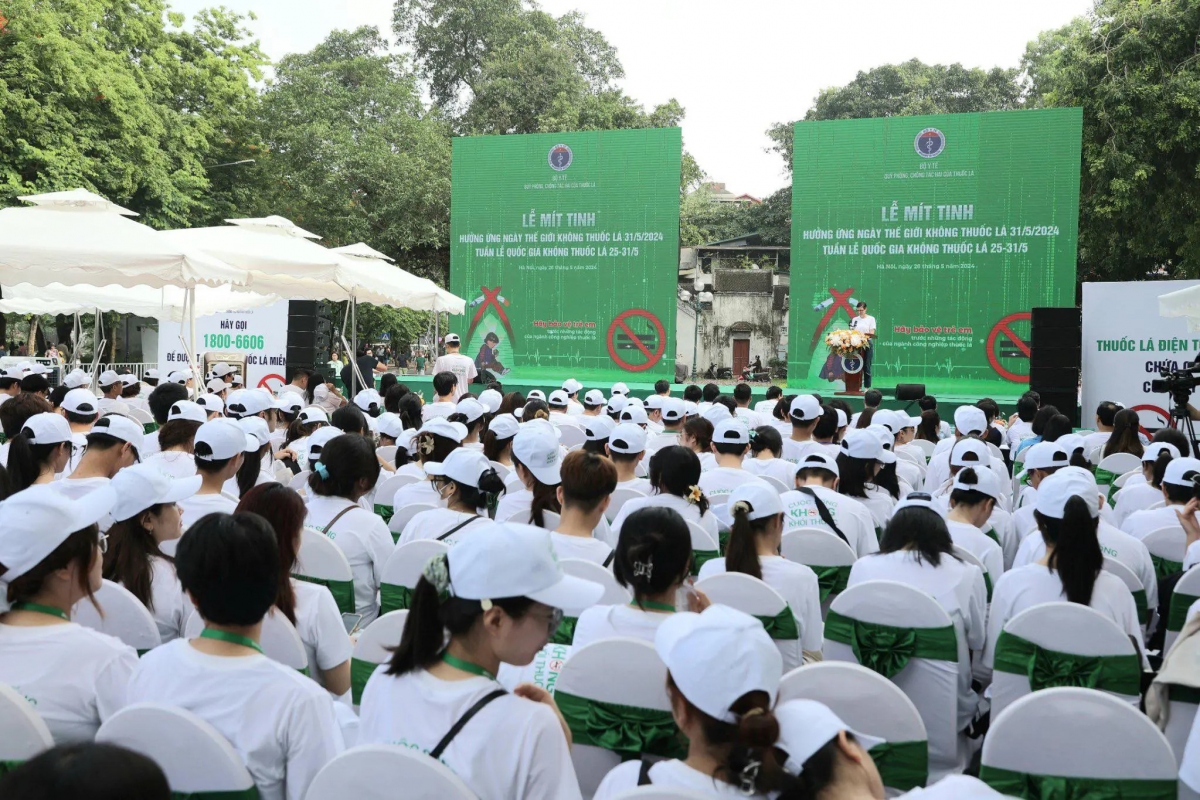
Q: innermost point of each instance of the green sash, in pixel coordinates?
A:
(723, 541)
(1143, 607)
(626, 730)
(887, 649)
(149, 428)
(1056, 787)
(360, 673)
(991, 534)
(1178, 693)
(987, 584)
(1106, 478)
(1180, 603)
(781, 627)
(393, 597)
(566, 631)
(831, 580)
(385, 512)
(902, 765)
(1047, 669)
(342, 591)
(702, 557)
(1165, 567)
(236, 794)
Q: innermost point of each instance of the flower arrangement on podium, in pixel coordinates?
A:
(845, 342)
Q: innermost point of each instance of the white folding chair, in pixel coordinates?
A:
(125, 617)
(23, 734)
(319, 560)
(824, 552)
(1074, 733)
(378, 770)
(926, 446)
(300, 482)
(754, 597)
(501, 470)
(614, 593)
(373, 648)
(995, 451)
(1120, 463)
(1134, 584)
(280, 641)
(967, 557)
(930, 682)
(614, 673)
(661, 793)
(402, 570)
(1124, 478)
(1167, 547)
(141, 416)
(1096, 454)
(195, 758)
(402, 516)
(618, 499)
(775, 483)
(1187, 591)
(1063, 628)
(870, 704)
(571, 436)
(387, 489)
(388, 454)
(704, 546)
(282, 474)
(550, 519)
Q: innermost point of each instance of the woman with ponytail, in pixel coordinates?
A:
(1067, 510)
(434, 443)
(723, 672)
(766, 447)
(1139, 495)
(39, 452)
(675, 476)
(1125, 436)
(825, 757)
(464, 482)
(753, 550)
(493, 599)
(537, 457)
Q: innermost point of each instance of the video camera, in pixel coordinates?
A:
(1178, 383)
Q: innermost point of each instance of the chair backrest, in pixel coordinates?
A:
(926, 446)
(816, 547)
(618, 499)
(280, 641)
(387, 488)
(191, 753)
(1166, 546)
(571, 435)
(1187, 589)
(282, 474)
(374, 648)
(1134, 584)
(1072, 732)
(1124, 478)
(995, 451)
(550, 519)
(912, 457)
(1120, 463)
(501, 470)
(319, 557)
(366, 770)
(141, 416)
(125, 617)
(653, 792)
(402, 516)
(701, 539)
(614, 593)
(300, 482)
(775, 483)
(403, 569)
(388, 454)
(23, 734)
(967, 557)
(743, 592)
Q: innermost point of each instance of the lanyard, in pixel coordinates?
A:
(467, 666)
(650, 605)
(38, 608)
(232, 638)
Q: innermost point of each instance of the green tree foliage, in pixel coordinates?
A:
(1133, 67)
(703, 220)
(107, 95)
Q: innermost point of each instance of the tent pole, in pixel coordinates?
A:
(354, 376)
(191, 306)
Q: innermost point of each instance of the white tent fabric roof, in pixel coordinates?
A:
(165, 303)
(425, 295)
(1183, 303)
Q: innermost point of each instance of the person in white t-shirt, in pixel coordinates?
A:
(470, 412)
(1067, 511)
(816, 501)
(81, 410)
(146, 516)
(917, 550)
(675, 474)
(805, 413)
(766, 445)
(766, 406)
(1021, 427)
(973, 496)
(588, 481)
(110, 387)
(347, 471)
(672, 414)
(1106, 414)
(281, 723)
(499, 596)
(626, 448)
(969, 421)
(860, 460)
(697, 437)
(40, 452)
(730, 443)
(742, 395)
(537, 459)
(1177, 488)
(573, 387)
(463, 483)
(1137, 495)
(833, 759)
(594, 403)
(559, 409)
(723, 672)
(445, 390)
(176, 440)
(865, 324)
(758, 521)
(50, 560)
(308, 606)
(218, 449)
(454, 362)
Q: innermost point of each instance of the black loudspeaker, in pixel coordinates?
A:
(309, 334)
(1055, 356)
(910, 391)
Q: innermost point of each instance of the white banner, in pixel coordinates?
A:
(260, 333)
(1126, 343)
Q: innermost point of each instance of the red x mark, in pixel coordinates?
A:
(840, 300)
(490, 298)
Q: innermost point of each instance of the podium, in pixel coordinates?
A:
(852, 374)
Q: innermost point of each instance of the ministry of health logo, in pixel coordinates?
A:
(560, 157)
(930, 143)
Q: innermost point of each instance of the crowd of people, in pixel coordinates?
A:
(200, 515)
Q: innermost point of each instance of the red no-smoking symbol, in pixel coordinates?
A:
(1003, 328)
(622, 335)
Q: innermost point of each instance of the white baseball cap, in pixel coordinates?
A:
(557, 399)
(816, 460)
(730, 431)
(863, 445)
(491, 400)
(969, 419)
(462, 465)
(985, 482)
(247, 402)
(108, 378)
(368, 400)
(597, 429)
(630, 400)
(318, 439)
(408, 440)
(691, 409)
(76, 379)
(716, 413)
(37, 368)
(672, 409)
(389, 424)
(40, 518)
(1154, 448)
(628, 437)
(237, 380)
(619, 388)
(960, 449)
(842, 419)
(806, 726)
(288, 403)
(81, 401)
(440, 426)
(257, 432)
(122, 428)
(452, 338)
(47, 428)
(615, 405)
(144, 485)
(471, 408)
(222, 438)
(634, 414)
(1046, 455)
(805, 408)
(571, 386)
(221, 369)
(759, 499)
(594, 397)
(536, 394)
(186, 409)
(1055, 490)
(313, 414)
(920, 500)
(151, 374)
(539, 452)
(716, 657)
(180, 376)
(894, 421)
(511, 560)
(211, 403)
(129, 379)
(216, 385)
(1181, 471)
(654, 402)
(504, 426)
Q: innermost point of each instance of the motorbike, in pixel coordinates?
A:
(715, 373)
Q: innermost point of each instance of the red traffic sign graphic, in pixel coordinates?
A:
(1005, 342)
(636, 340)
(271, 382)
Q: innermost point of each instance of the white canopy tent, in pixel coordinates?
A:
(1183, 303)
(166, 303)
